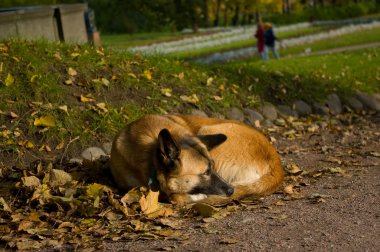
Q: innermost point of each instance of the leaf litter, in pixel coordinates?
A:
(58, 204)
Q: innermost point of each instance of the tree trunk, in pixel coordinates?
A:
(226, 15)
(217, 12)
(205, 13)
(235, 19)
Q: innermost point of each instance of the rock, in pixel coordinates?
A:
(285, 110)
(302, 108)
(334, 104)
(321, 109)
(368, 101)
(354, 104)
(267, 123)
(76, 161)
(217, 115)
(235, 114)
(93, 153)
(269, 111)
(252, 116)
(107, 147)
(198, 112)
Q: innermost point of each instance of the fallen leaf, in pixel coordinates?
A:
(13, 115)
(209, 81)
(375, 154)
(193, 99)
(148, 74)
(5, 205)
(102, 106)
(46, 121)
(71, 71)
(9, 80)
(57, 178)
(64, 108)
(31, 182)
(87, 98)
(205, 210)
(166, 92)
(293, 169)
(288, 189)
(149, 204)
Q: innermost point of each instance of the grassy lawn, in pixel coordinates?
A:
(311, 77)
(123, 41)
(245, 43)
(364, 37)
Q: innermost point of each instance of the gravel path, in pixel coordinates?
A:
(332, 206)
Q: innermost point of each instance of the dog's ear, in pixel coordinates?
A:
(212, 141)
(168, 150)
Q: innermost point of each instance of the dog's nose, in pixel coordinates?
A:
(230, 191)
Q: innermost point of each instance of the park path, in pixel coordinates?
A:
(332, 206)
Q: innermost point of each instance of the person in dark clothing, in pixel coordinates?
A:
(269, 41)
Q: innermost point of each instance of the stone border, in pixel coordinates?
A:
(268, 114)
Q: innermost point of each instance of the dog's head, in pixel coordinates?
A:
(186, 167)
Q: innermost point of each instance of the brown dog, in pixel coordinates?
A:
(190, 158)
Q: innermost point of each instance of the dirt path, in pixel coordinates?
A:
(332, 206)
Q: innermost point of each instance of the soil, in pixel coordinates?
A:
(334, 205)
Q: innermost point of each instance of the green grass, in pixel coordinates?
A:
(125, 86)
(357, 38)
(309, 78)
(244, 43)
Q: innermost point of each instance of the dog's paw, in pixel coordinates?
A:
(197, 197)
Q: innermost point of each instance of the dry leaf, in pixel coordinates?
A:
(205, 210)
(87, 98)
(5, 205)
(45, 121)
(193, 99)
(148, 74)
(293, 169)
(72, 71)
(9, 80)
(31, 182)
(149, 204)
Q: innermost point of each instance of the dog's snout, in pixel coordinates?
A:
(230, 191)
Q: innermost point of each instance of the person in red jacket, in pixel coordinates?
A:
(260, 38)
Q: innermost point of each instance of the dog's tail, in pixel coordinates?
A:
(266, 185)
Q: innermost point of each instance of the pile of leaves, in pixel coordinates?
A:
(61, 204)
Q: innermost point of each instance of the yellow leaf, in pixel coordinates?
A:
(102, 106)
(209, 81)
(34, 77)
(64, 108)
(45, 147)
(86, 98)
(60, 146)
(9, 80)
(57, 56)
(68, 82)
(193, 99)
(75, 55)
(13, 115)
(167, 92)
(16, 59)
(46, 121)
(105, 82)
(205, 210)
(72, 71)
(181, 75)
(132, 75)
(149, 204)
(217, 98)
(148, 74)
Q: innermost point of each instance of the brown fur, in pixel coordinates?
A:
(246, 160)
